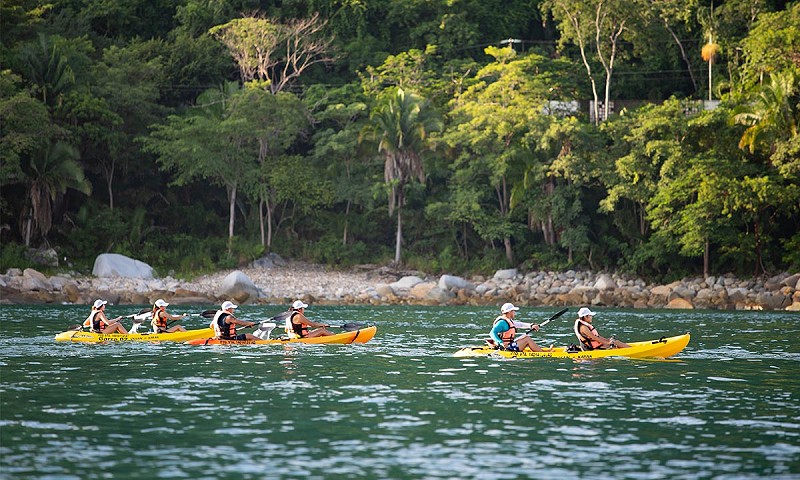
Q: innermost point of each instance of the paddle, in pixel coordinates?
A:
(562, 312)
(349, 327)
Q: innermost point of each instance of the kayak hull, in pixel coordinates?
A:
(661, 348)
(363, 335)
(91, 337)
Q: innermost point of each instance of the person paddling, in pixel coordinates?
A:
(99, 323)
(224, 324)
(588, 336)
(298, 326)
(161, 317)
(504, 331)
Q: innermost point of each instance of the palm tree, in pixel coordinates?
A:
(48, 70)
(401, 124)
(49, 175)
(774, 115)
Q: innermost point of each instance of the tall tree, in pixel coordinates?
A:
(400, 126)
(598, 28)
(206, 144)
(491, 122)
(47, 69)
(26, 127)
(129, 80)
(343, 114)
(771, 47)
(275, 123)
(643, 143)
(50, 173)
(274, 54)
(685, 211)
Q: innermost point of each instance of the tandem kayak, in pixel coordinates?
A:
(662, 348)
(91, 337)
(362, 335)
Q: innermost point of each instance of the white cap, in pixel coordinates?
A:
(161, 303)
(585, 311)
(99, 303)
(507, 307)
(298, 304)
(228, 305)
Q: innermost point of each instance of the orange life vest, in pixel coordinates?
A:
(508, 336)
(158, 322)
(587, 344)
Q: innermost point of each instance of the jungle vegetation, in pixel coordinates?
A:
(654, 138)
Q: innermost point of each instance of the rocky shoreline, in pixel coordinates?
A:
(280, 282)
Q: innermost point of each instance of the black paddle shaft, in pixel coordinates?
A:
(562, 312)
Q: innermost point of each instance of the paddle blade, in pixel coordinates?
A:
(351, 327)
(208, 313)
(562, 312)
(281, 317)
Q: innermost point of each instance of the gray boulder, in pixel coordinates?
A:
(239, 287)
(35, 280)
(605, 282)
(507, 274)
(42, 256)
(450, 282)
(116, 265)
(406, 283)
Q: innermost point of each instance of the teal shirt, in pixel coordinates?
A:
(498, 328)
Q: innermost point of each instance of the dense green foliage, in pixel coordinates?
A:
(451, 135)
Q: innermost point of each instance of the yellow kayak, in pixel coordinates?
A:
(362, 335)
(91, 337)
(662, 348)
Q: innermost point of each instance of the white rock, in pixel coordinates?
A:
(116, 265)
(507, 274)
(406, 283)
(605, 282)
(447, 282)
(35, 280)
(238, 285)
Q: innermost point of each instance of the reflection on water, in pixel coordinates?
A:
(401, 406)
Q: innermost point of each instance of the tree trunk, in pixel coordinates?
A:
(270, 207)
(110, 194)
(709, 80)
(399, 240)
(346, 216)
(582, 49)
(28, 228)
(261, 222)
(683, 54)
(706, 256)
(231, 213)
(509, 252)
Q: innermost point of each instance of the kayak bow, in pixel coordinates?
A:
(661, 348)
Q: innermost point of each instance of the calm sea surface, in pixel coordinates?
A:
(400, 406)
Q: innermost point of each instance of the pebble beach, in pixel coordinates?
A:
(282, 281)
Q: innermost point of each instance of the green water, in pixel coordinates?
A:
(401, 406)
